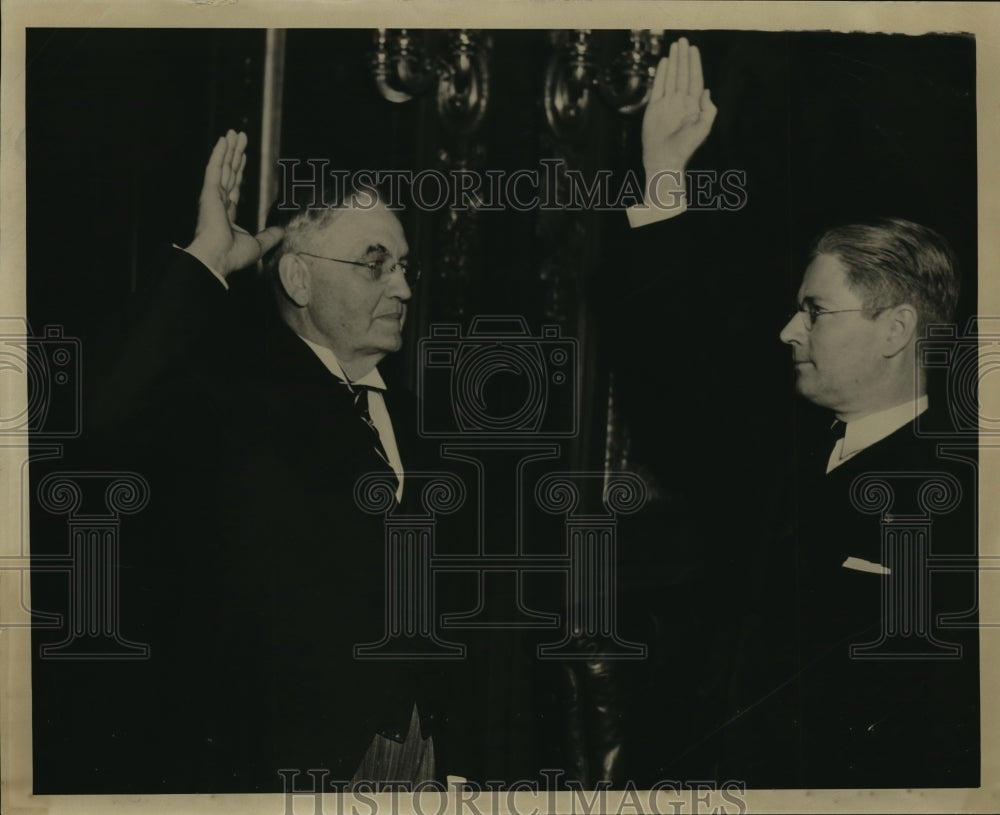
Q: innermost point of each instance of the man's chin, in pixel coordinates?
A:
(812, 395)
(802, 386)
(391, 335)
(390, 345)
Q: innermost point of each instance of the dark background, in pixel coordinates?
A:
(826, 126)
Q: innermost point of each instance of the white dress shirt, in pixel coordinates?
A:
(376, 406)
(373, 380)
(864, 432)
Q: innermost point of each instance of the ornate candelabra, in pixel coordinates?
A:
(410, 63)
(577, 66)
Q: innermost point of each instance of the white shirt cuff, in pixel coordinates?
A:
(643, 214)
(218, 276)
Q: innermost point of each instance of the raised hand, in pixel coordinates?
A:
(679, 114)
(218, 242)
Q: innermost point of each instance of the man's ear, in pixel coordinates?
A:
(901, 328)
(295, 280)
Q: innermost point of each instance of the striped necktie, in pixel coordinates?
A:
(361, 405)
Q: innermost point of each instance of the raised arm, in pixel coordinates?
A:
(678, 118)
(218, 242)
(183, 315)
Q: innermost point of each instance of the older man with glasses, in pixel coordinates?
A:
(263, 414)
(262, 419)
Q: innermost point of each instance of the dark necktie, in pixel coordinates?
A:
(361, 405)
(836, 433)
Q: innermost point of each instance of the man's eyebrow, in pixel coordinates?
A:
(380, 249)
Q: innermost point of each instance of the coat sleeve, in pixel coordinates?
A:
(183, 320)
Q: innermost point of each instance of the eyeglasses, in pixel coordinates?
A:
(377, 268)
(812, 312)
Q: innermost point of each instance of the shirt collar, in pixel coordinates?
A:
(372, 379)
(864, 432)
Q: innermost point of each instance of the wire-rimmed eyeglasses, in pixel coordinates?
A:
(811, 312)
(378, 269)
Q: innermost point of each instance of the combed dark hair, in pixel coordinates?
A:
(891, 261)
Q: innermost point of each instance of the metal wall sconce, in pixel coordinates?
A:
(575, 69)
(408, 63)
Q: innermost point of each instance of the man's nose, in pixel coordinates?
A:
(794, 329)
(396, 285)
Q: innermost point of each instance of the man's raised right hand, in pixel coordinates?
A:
(218, 242)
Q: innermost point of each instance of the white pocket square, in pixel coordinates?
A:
(860, 565)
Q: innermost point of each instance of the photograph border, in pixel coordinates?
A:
(982, 20)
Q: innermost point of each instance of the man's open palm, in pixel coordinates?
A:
(679, 114)
(218, 241)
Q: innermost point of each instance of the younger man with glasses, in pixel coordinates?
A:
(856, 661)
(884, 689)
(844, 667)
(867, 296)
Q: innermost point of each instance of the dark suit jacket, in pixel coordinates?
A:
(256, 571)
(823, 717)
(762, 621)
